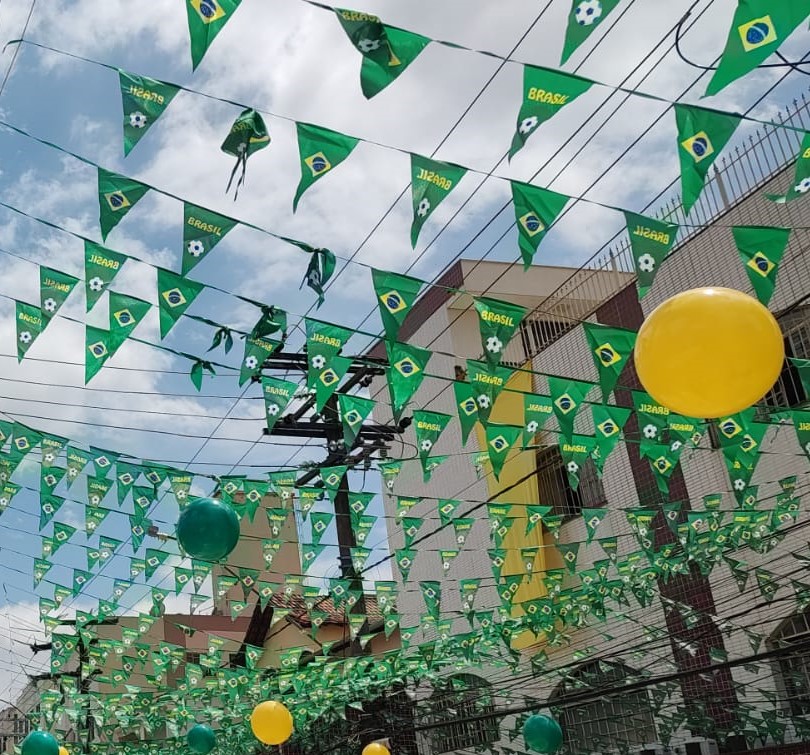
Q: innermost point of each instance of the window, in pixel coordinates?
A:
(794, 670)
(612, 719)
(552, 483)
(466, 697)
(788, 390)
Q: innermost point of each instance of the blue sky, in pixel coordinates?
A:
(294, 60)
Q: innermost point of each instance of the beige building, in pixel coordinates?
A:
(550, 342)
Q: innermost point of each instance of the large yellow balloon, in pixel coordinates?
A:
(376, 748)
(709, 352)
(63, 750)
(271, 722)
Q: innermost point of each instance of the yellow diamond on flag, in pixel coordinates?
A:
(329, 377)
(468, 406)
(318, 164)
(123, 317)
(117, 200)
(662, 464)
(760, 264)
(407, 367)
(532, 224)
(174, 297)
(208, 10)
(98, 349)
(607, 355)
(393, 302)
(730, 428)
(698, 146)
(608, 428)
(499, 443)
(757, 33)
(565, 403)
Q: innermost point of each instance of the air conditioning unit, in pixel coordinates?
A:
(697, 746)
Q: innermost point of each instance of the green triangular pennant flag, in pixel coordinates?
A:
(467, 408)
(49, 505)
(396, 295)
(125, 476)
(117, 195)
(98, 348)
(100, 267)
(545, 93)
(497, 322)
(447, 509)
(332, 477)
(52, 446)
(663, 460)
(431, 182)
(758, 29)
(54, 289)
(566, 398)
(405, 373)
(248, 134)
(585, 16)
(353, 411)
(761, 249)
(592, 518)
(575, 451)
(536, 210)
(257, 350)
(328, 380)
(126, 313)
(608, 422)
(29, 325)
(500, 439)
(154, 559)
(77, 459)
(610, 349)
(486, 382)
(321, 267)
(702, 135)
(206, 18)
(462, 528)
(653, 419)
(61, 534)
(320, 150)
(277, 396)
(650, 242)
(410, 528)
(801, 175)
(358, 503)
(432, 595)
(175, 295)
(324, 343)
(202, 231)
(801, 423)
(404, 558)
(428, 427)
(387, 51)
(144, 101)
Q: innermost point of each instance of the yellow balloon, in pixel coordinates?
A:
(709, 352)
(63, 750)
(376, 748)
(271, 722)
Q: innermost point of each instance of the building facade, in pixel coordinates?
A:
(700, 617)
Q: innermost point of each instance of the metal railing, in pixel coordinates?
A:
(735, 176)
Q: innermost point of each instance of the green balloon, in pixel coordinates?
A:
(208, 529)
(201, 739)
(542, 734)
(40, 743)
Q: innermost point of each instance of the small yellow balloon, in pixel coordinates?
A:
(376, 748)
(63, 750)
(709, 352)
(271, 722)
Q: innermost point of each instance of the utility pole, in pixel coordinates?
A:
(326, 425)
